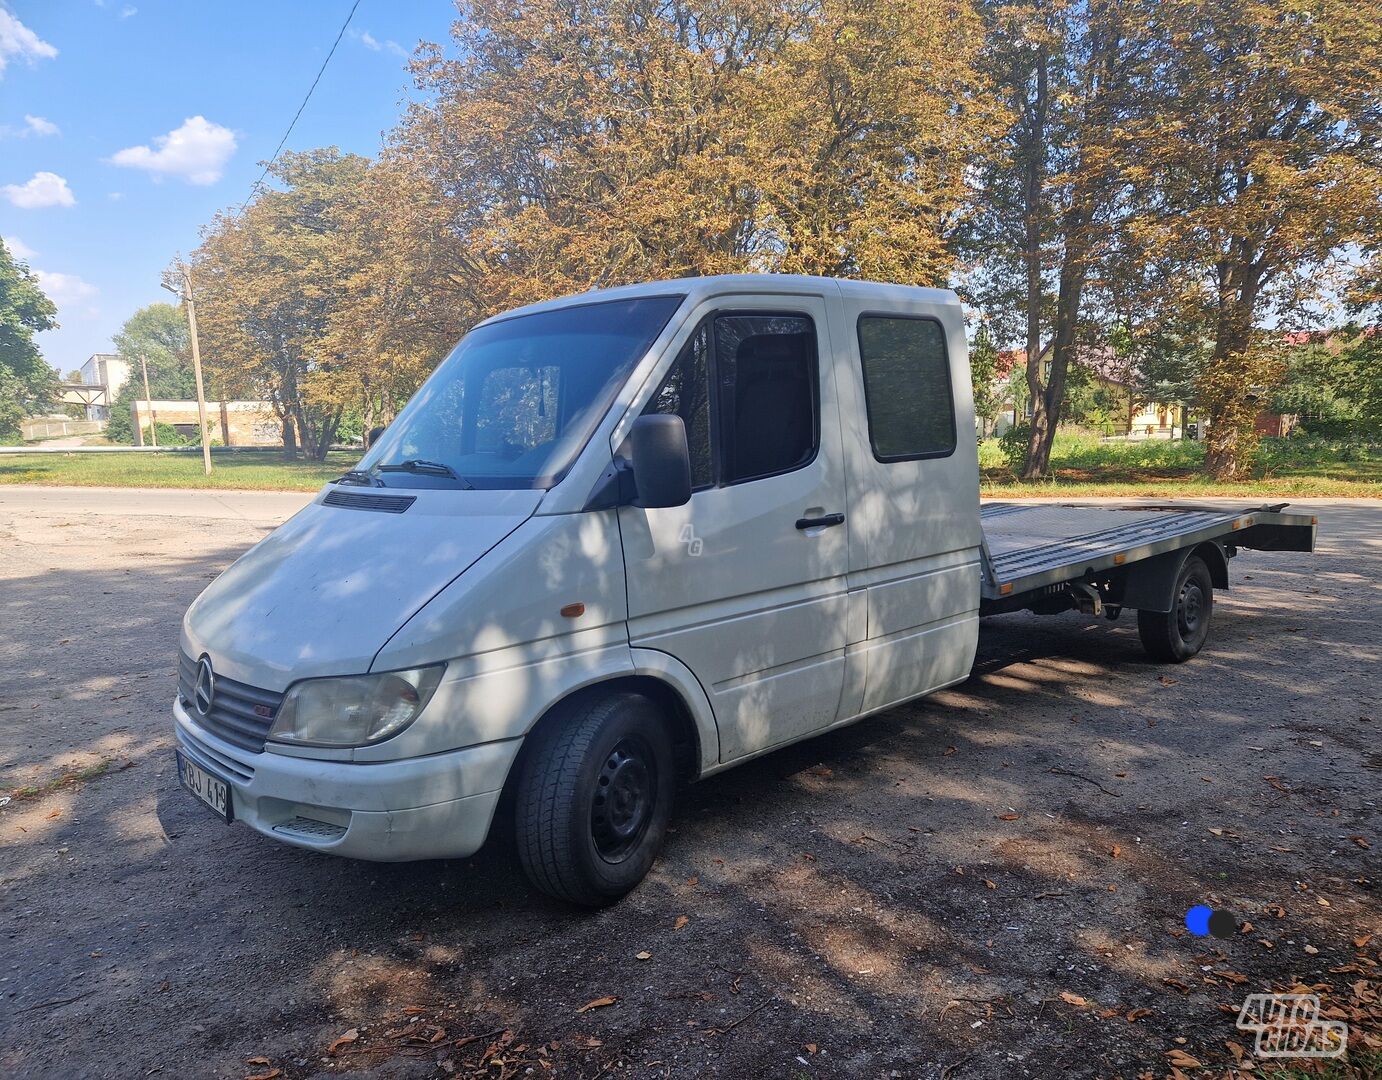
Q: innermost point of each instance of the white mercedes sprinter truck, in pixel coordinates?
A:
(624, 540)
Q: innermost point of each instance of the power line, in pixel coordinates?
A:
(320, 71)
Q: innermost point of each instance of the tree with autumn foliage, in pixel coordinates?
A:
(270, 280)
(1251, 141)
(566, 145)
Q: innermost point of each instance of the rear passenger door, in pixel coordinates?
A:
(908, 420)
(746, 583)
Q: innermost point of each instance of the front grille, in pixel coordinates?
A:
(240, 714)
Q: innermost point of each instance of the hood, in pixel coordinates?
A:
(323, 592)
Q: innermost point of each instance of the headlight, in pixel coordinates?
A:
(352, 710)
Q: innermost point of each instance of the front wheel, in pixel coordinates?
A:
(1172, 637)
(593, 800)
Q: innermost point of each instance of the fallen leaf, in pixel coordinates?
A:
(1115, 851)
(1181, 1059)
(948, 751)
(414, 1010)
(1166, 680)
(1009, 817)
(682, 920)
(1073, 999)
(693, 881)
(256, 1061)
(1175, 984)
(1135, 1015)
(598, 1003)
(349, 1037)
(1361, 841)
(810, 1048)
(1362, 942)
(988, 884)
(644, 955)
(808, 856)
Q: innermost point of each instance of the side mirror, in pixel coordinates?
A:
(373, 436)
(661, 461)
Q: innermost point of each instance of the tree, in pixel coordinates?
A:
(1250, 136)
(27, 384)
(157, 334)
(983, 374)
(1045, 198)
(569, 145)
(268, 282)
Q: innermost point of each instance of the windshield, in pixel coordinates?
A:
(516, 400)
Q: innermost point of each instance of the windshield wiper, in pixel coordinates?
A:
(430, 468)
(358, 476)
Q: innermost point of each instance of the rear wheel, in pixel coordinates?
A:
(594, 799)
(1174, 636)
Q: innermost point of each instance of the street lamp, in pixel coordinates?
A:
(186, 297)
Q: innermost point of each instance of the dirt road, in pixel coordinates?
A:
(991, 883)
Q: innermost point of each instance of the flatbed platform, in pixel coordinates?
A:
(1029, 547)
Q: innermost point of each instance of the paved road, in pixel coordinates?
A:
(909, 897)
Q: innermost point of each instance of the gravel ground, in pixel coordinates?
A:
(990, 883)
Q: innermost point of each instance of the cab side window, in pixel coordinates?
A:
(747, 388)
(907, 392)
(766, 376)
(686, 393)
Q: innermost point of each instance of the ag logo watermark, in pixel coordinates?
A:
(694, 544)
(1289, 1026)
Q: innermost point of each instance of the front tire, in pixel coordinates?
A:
(1172, 637)
(594, 799)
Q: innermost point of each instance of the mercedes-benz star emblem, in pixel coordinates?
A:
(204, 690)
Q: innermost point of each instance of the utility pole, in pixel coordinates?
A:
(153, 420)
(186, 296)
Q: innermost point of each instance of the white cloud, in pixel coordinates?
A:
(197, 152)
(115, 196)
(128, 10)
(18, 41)
(36, 125)
(40, 190)
(18, 248)
(369, 41)
(64, 289)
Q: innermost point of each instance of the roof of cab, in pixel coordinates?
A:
(702, 287)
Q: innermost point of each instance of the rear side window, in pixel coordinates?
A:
(907, 392)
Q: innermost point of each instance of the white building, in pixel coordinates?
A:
(109, 370)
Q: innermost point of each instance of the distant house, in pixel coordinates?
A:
(108, 370)
(1142, 418)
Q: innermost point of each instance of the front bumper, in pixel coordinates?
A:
(436, 807)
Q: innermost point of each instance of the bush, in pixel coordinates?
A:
(1012, 444)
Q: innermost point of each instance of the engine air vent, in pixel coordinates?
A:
(384, 504)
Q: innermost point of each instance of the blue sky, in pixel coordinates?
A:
(125, 124)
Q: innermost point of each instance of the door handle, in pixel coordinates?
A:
(821, 522)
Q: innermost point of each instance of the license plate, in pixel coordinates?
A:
(212, 790)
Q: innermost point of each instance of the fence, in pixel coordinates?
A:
(58, 429)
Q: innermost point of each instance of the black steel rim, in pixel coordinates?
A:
(624, 796)
(1190, 608)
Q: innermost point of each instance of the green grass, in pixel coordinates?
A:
(1295, 467)
(255, 471)
(66, 778)
(1365, 1065)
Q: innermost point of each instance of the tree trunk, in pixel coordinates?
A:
(1226, 384)
(290, 439)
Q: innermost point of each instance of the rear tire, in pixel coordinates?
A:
(594, 799)
(1172, 637)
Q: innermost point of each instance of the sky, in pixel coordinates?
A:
(126, 124)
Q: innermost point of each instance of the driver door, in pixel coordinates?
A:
(745, 584)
